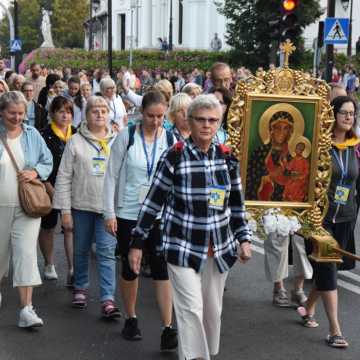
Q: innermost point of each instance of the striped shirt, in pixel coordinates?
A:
(181, 185)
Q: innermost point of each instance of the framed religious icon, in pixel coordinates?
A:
(279, 161)
(279, 126)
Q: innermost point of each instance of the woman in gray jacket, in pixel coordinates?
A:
(78, 194)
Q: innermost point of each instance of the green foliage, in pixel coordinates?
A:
(82, 59)
(186, 61)
(249, 31)
(67, 21)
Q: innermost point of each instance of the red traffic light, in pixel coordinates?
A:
(289, 5)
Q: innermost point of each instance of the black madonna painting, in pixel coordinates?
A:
(279, 151)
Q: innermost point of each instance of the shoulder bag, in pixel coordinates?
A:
(34, 200)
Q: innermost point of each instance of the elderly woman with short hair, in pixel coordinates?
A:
(179, 104)
(18, 231)
(78, 194)
(117, 114)
(197, 188)
(192, 89)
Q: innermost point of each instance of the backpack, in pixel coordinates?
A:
(132, 129)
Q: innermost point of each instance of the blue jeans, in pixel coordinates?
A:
(89, 227)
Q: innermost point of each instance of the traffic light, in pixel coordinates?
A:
(289, 21)
(289, 5)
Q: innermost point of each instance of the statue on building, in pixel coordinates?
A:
(46, 29)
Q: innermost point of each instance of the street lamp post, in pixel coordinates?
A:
(345, 4)
(16, 33)
(110, 37)
(91, 26)
(330, 48)
(133, 6)
(11, 29)
(171, 27)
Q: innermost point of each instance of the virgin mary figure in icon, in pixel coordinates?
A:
(278, 170)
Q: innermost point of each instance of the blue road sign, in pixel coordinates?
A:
(336, 31)
(15, 45)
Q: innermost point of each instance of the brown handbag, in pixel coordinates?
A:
(34, 199)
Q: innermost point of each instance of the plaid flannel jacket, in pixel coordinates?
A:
(181, 188)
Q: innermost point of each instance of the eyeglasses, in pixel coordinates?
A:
(202, 120)
(346, 113)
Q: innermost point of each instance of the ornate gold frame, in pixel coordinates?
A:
(289, 85)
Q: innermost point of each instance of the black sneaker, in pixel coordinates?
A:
(169, 339)
(131, 331)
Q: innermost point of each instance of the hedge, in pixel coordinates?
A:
(151, 59)
(154, 59)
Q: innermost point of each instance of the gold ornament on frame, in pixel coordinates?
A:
(279, 127)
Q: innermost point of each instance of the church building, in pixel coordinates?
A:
(147, 23)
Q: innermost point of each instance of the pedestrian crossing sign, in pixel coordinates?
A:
(336, 31)
(15, 45)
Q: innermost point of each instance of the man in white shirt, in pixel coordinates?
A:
(36, 79)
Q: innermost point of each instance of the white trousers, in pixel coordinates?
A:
(198, 305)
(277, 255)
(18, 236)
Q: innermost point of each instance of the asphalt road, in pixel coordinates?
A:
(251, 329)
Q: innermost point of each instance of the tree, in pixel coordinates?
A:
(252, 36)
(67, 21)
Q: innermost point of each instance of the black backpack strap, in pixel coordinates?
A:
(169, 138)
(131, 129)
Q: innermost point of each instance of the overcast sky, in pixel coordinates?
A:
(3, 2)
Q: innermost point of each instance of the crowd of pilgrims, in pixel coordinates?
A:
(108, 152)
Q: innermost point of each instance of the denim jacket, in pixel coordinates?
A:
(36, 154)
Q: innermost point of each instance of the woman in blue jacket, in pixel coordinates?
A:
(18, 231)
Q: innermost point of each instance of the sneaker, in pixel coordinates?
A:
(131, 331)
(169, 339)
(28, 318)
(298, 297)
(50, 272)
(280, 298)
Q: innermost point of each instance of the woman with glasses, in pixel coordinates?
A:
(197, 189)
(339, 221)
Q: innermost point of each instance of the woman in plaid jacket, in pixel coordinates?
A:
(198, 185)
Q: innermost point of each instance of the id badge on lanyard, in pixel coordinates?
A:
(144, 189)
(342, 191)
(98, 166)
(98, 163)
(217, 197)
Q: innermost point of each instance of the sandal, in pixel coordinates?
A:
(307, 319)
(109, 310)
(337, 341)
(79, 300)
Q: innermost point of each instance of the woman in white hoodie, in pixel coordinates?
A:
(78, 194)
